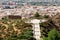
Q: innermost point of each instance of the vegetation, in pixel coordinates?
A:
(36, 14)
(46, 16)
(46, 27)
(49, 30)
(53, 35)
(15, 29)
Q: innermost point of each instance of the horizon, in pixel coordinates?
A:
(32, 0)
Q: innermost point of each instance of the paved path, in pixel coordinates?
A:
(36, 31)
(36, 28)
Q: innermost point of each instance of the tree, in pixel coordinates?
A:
(26, 34)
(46, 16)
(36, 14)
(22, 31)
(53, 35)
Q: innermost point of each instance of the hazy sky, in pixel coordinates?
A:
(33, 0)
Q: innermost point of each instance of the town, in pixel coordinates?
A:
(30, 20)
(29, 10)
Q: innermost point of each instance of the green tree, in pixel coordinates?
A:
(46, 16)
(36, 14)
(26, 34)
(53, 35)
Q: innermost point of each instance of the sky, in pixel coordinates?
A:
(34, 0)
